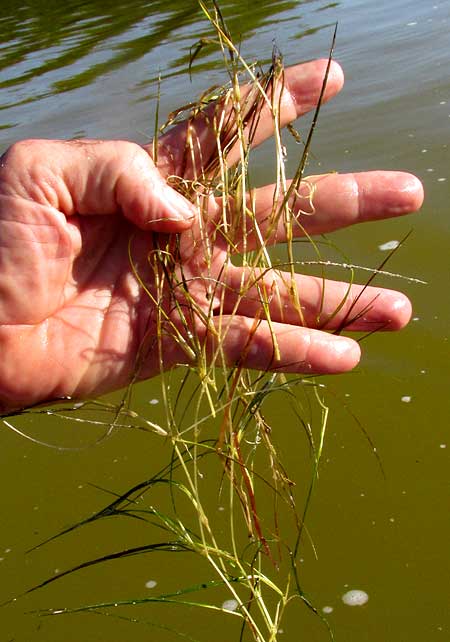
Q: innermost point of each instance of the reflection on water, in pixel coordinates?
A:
(94, 51)
(86, 40)
(69, 45)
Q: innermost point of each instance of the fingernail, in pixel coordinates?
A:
(179, 206)
(406, 196)
(347, 352)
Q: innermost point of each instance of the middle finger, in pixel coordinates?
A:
(323, 204)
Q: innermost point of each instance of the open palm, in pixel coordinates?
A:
(76, 321)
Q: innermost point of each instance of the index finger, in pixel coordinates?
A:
(296, 94)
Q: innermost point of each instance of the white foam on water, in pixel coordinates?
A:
(389, 245)
(355, 597)
(230, 605)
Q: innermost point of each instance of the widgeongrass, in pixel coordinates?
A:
(251, 557)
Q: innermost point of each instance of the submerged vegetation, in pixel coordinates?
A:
(215, 410)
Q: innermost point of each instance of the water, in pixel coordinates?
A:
(89, 69)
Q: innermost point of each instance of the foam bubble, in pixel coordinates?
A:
(389, 245)
(230, 605)
(355, 597)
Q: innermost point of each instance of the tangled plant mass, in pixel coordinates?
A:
(221, 308)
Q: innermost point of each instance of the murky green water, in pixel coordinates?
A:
(89, 69)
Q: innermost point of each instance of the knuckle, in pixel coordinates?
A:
(19, 157)
(19, 152)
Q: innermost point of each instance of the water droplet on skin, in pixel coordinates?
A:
(253, 350)
(355, 597)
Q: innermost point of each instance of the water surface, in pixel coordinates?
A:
(90, 69)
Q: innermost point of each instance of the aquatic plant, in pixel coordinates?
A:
(215, 410)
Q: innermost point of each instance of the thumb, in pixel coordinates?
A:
(147, 200)
(93, 177)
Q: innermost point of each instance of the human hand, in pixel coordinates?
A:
(74, 319)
